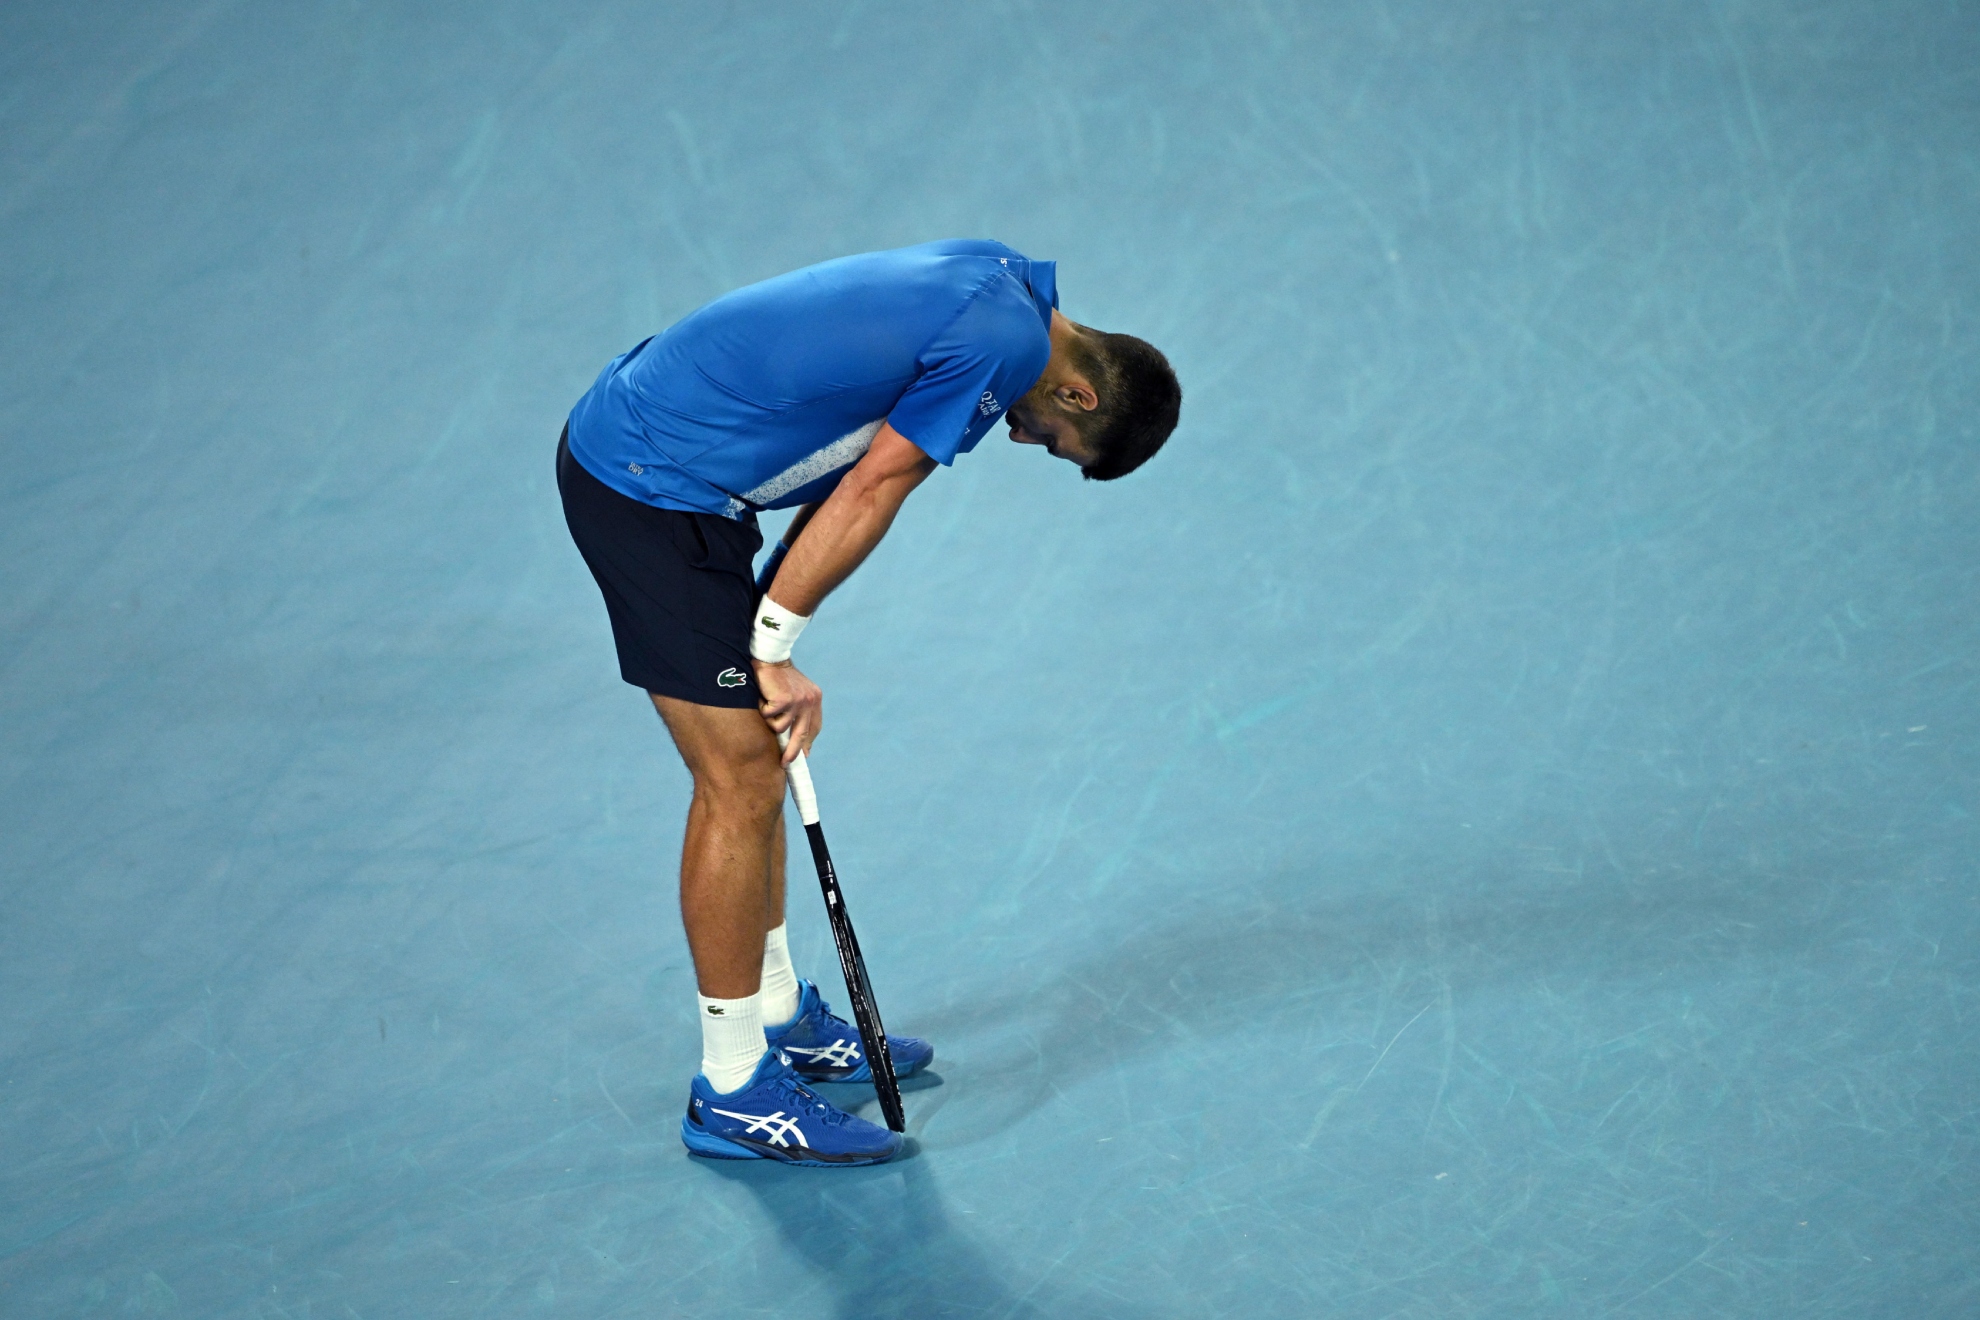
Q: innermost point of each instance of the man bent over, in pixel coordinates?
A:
(835, 389)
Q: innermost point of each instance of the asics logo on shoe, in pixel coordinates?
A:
(838, 1054)
(779, 1128)
(731, 678)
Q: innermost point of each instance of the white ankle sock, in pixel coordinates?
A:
(732, 1041)
(780, 985)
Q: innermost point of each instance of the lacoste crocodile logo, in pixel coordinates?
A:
(771, 624)
(732, 678)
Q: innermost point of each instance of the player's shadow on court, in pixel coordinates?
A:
(1280, 953)
(891, 1246)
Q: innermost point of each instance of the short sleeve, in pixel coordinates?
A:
(988, 356)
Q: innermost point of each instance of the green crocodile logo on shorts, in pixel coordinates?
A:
(732, 678)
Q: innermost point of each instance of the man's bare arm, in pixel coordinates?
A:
(796, 525)
(842, 533)
(838, 536)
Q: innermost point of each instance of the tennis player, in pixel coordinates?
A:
(836, 389)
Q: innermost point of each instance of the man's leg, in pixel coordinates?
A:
(744, 1106)
(707, 896)
(731, 871)
(781, 992)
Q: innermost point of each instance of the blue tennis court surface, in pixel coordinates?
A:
(1483, 826)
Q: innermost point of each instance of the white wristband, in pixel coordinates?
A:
(775, 632)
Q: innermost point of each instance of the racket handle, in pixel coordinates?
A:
(770, 567)
(798, 773)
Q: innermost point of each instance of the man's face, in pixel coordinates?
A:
(1039, 419)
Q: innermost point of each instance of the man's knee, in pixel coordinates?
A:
(732, 755)
(748, 783)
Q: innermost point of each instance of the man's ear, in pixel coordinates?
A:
(1075, 393)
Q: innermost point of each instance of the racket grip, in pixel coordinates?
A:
(770, 567)
(798, 774)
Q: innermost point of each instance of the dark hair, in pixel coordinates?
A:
(1140, 399)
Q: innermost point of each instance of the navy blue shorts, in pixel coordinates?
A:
(678, 587)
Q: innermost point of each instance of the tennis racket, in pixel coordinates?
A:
(866, 1013)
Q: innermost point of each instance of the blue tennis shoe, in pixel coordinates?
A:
(774, 1117)
(826, 1048)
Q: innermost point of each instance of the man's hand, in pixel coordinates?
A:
(790, 701)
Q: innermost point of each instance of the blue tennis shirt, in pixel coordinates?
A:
(766, 396)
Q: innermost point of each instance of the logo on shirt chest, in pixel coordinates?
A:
(988, 405)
